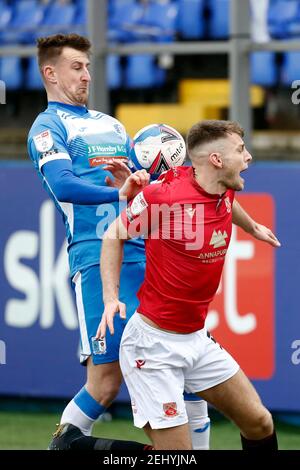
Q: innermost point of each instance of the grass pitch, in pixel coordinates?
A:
(32, 430)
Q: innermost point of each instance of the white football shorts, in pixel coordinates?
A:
(158, 366)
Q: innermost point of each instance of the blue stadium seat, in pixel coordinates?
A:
(5, 18)
(142, 72)
(11, 72)
(80, 17)
(263, 68)
(191, 24)
(219, 19)
(33, 80)
(283, 18)
(27, 16)
(113, 71)
(5, 14)
(290, 68)
(58, 18)
(124, 21)
(161, 17)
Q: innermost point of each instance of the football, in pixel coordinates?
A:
(157, 148)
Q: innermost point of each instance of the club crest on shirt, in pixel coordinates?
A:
(43, 141)
(118, 128)
(170, 409)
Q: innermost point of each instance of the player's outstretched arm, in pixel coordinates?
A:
(243, 220)
(110, 266)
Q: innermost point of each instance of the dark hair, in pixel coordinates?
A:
(208, 131)
(50, 47)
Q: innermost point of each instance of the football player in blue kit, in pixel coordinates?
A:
(75, 151)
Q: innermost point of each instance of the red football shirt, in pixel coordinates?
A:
(187, 233)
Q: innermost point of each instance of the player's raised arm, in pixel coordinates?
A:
(243, 220)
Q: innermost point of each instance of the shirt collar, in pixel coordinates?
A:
(68, 107)
(200, 189)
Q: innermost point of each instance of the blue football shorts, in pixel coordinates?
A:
(88, 291)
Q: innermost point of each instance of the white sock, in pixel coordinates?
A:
(199, 424)
(72, 414)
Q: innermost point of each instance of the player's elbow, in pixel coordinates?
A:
(62, 194)
(116, 231)
(111, 233)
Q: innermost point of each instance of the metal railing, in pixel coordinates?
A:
(238, 46)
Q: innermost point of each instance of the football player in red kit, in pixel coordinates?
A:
(186, 220)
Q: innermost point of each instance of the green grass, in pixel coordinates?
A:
(33, 431)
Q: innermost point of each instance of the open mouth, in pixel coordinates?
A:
(244, 169)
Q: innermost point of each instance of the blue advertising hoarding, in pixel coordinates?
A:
(255, 314)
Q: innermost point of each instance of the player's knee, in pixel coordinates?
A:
(105, 391)
(111, 391)
(261, 426)
(266, 425)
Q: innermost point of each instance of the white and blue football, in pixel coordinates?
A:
(157, 148)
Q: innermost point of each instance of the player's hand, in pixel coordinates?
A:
(120, 172)
(110, 310)
(134, 184)
(265, 235)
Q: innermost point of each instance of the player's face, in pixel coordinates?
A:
(236, 159)
(73, 77)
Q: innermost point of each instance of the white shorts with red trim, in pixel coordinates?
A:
(158, 366)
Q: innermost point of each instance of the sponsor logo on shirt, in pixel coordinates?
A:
(212, 257)
(170, 409)
(96, 161)
(43, 141)
(190, 212)
(218, 239)
(99, 154)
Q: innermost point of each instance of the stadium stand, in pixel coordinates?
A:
(219, 19)
(60, 16)
(263, 68)
(11, 72)
(290, 68)
(191, 24)
(33, 79)
(283, 18)
(143, 72)
(198, 99)
(113, 71)
(6, 12)
(162, 83)
(27, 16)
